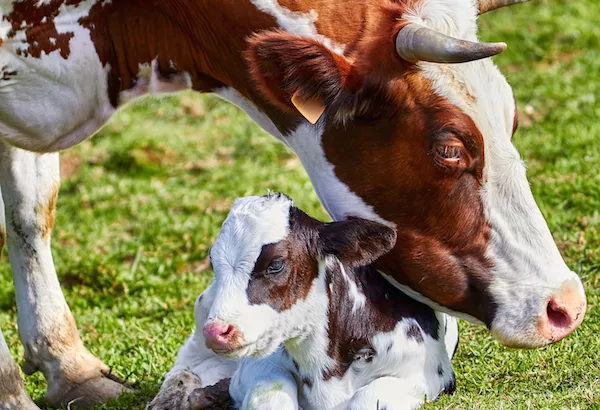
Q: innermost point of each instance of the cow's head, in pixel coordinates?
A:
(425, 144)
(270, 262)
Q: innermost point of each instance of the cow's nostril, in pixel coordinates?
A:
(557, 316)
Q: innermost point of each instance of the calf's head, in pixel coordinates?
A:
(426, 146)
(269, 262)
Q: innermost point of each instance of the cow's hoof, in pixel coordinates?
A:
(91, 392)
(23, 402)
(175, 391)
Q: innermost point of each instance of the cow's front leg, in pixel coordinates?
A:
(12, 391)
(30, 184)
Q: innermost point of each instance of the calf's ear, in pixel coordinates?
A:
(356, 241)
(298, 74)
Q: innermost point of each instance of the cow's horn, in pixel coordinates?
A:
(489, 5)
(419, 43)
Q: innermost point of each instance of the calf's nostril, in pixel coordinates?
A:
(557, 316)
(227, 331)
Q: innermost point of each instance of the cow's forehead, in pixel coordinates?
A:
(480, 91)
(252, 223)
(478, 88)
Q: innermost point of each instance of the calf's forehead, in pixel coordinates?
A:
(252, 223)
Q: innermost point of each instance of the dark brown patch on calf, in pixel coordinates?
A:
(307, 381)
(351, 331)
(282, 290)
(414, 332)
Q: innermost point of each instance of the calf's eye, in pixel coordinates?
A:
(275, 267)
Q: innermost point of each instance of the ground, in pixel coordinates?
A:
(142, 201)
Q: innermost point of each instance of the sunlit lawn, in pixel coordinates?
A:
(142, 202)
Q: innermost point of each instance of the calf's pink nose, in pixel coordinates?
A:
(564, 313)
(219, 336)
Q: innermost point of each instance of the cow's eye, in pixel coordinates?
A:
(275, 267)
(449, 152)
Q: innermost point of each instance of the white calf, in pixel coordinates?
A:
(317, 326)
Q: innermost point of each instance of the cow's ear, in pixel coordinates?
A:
(297, 74)
(356, 241)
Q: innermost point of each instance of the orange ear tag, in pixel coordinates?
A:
(311, 109)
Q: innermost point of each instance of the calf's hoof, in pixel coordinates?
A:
(214, 397)
(90, 392)
(175, 392)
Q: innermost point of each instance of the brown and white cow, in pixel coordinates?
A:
(363, 92)
(319, 327)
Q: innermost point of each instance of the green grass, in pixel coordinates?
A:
(141, 203)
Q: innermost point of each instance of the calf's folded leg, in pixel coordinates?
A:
(196, 366)
(265, 384)
(30, 184)
(389, 393)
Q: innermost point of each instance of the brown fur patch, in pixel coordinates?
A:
(47, 212)
(282, 290)
(60, 340)
(351, 331)
(37, 21)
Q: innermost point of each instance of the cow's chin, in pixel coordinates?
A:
(519, 338)
(519, 332)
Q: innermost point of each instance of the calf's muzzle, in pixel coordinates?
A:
(221, 337)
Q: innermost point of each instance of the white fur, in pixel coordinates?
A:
(412, 363)
(302, 24)
(524, 253)
(252, 223)
(358, 298)
(303, 329)
(259, 117)
(70, 95)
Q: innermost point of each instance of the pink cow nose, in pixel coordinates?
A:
(564, 313)
(220, 337)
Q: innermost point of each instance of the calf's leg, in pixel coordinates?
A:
(30, 184)
(265, 384)
(389, 393)
(196, 366)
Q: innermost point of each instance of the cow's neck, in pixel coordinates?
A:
(198, 44)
